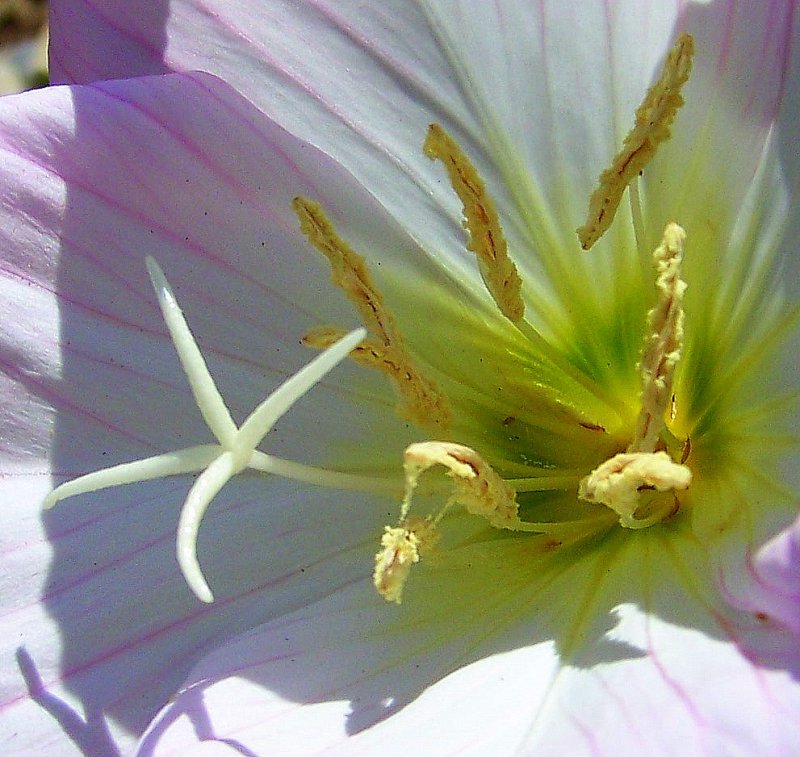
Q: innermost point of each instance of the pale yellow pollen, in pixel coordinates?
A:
(348, 269)
(401, 548)
(477, 487)
(423, 402)
(653, 120)
(486, 238)
(663, 345)
(619, 482)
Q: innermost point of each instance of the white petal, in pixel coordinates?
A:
(557, 665)
(92, 592)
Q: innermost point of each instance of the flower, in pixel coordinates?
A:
(607, 639)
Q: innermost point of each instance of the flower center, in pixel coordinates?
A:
(586, 455)
(641, 484)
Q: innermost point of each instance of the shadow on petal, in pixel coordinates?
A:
(349, 667)
(91, 735)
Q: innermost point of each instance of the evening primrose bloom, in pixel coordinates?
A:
(608, 624)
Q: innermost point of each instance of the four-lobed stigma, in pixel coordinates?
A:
(236, 447)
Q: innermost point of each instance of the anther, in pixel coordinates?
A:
(663, 345)
(422, 401)
(619, 482)
(652, 127)
(486, 238)
(476, 486)
(401, 547)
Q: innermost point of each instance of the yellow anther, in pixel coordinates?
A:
(662, 349)
(423, 402)
(653, 120)
(401, 547)
(619, 483)
(477, 486)
(486, 238)
(348, 269)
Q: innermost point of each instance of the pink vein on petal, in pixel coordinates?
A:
(586, 732)
(51, 395)
(144, 219)
(782, 28)
(680, 692)
(140, 40)
(191, 147)
(155, 633)
(613, 695)
(402, 73)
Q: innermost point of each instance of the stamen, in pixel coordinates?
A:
(664, 342)
(423, 402)
(486, 238)
(476, 485)
(401, 547)
(653, 120)
(237, 447)
(619, 482)
(637, 217)
(349, 270)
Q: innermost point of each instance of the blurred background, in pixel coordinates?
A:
(23, 45)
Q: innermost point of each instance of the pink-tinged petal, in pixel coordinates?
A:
(548, 662)
(739, 113)
(768, 582)
(97, 625)
(777, 567)
(540, 95)
(99, 40)
(548, 89)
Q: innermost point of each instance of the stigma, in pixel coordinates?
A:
(235, 449)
